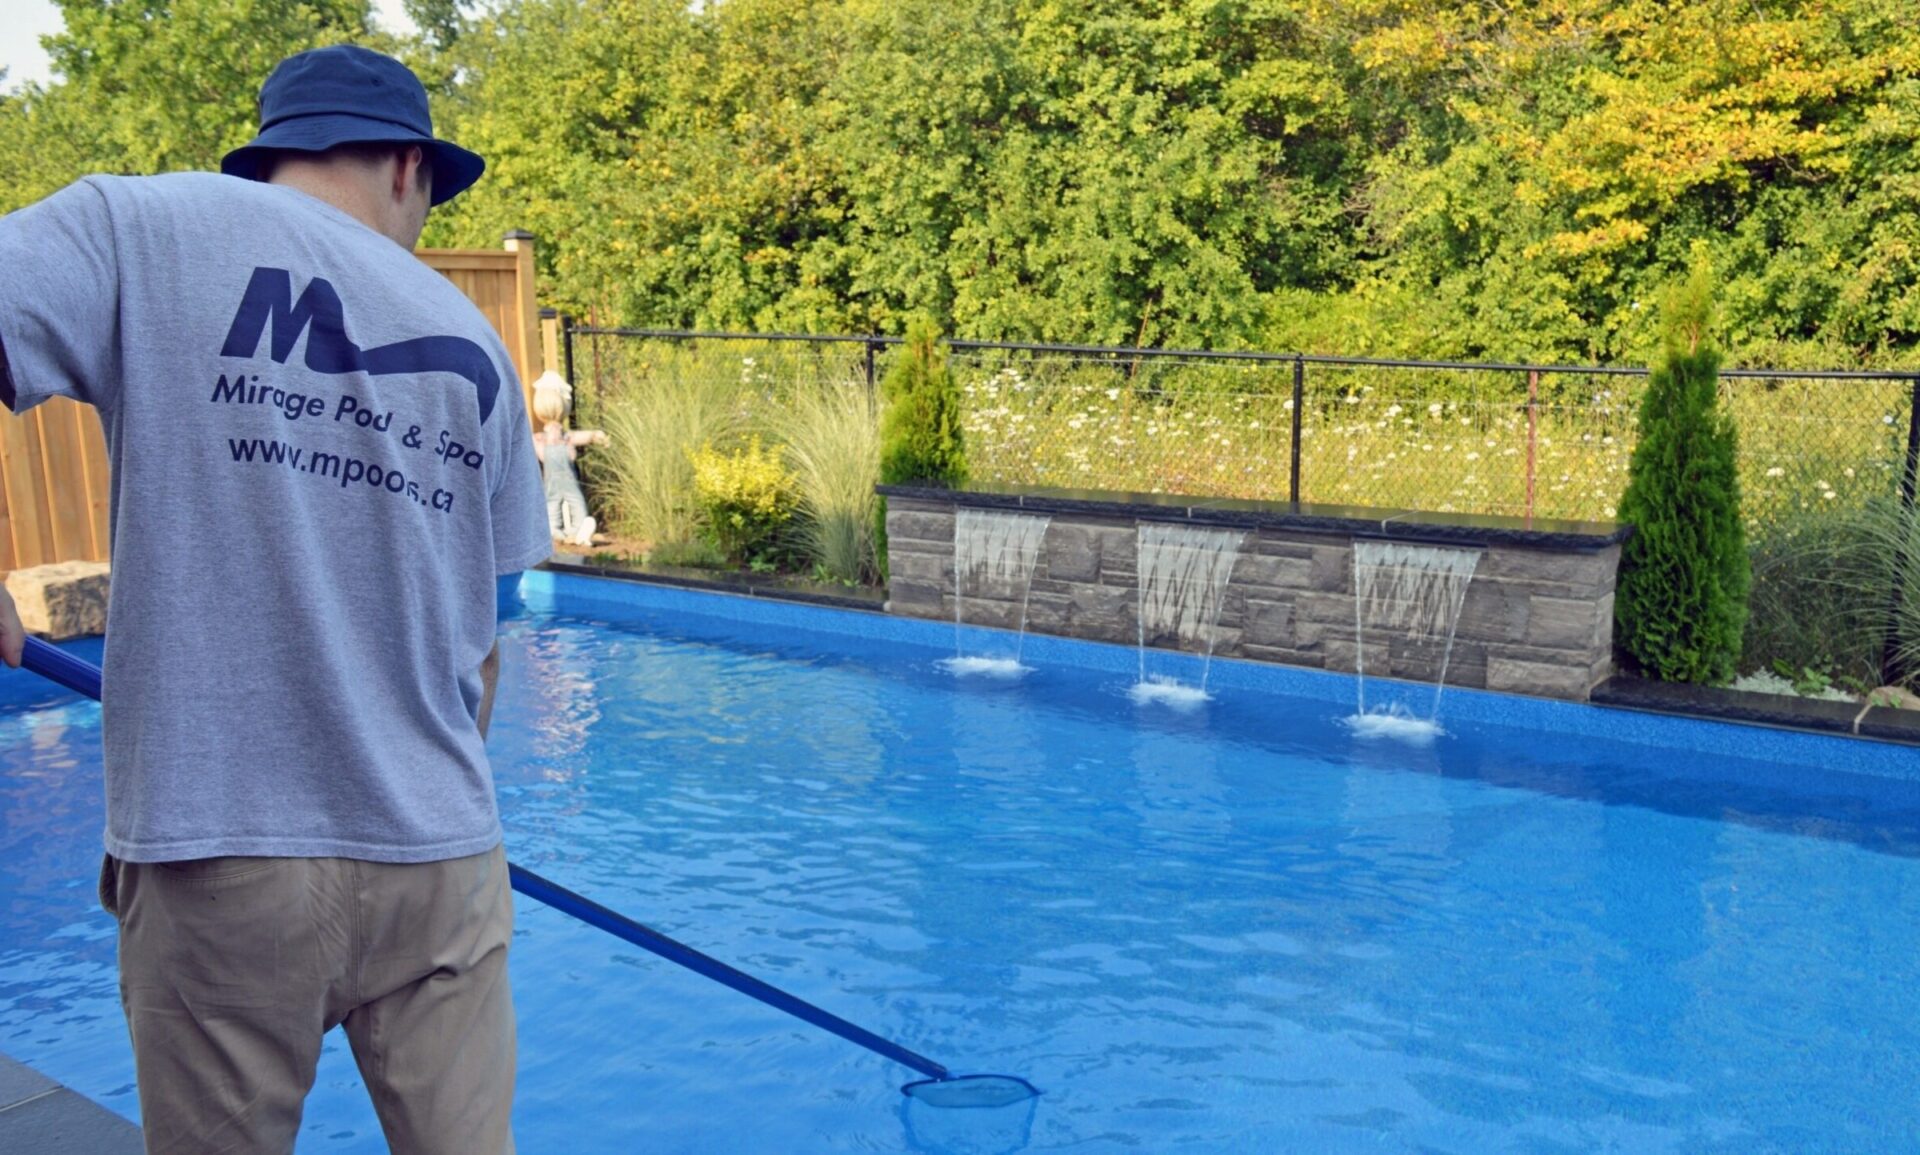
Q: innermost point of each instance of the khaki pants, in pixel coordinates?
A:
(231, 970)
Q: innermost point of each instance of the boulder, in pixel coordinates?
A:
(1894, 697)
(63, 600)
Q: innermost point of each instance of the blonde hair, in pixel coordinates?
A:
(552, 397)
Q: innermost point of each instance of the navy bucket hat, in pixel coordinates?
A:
(350, 95)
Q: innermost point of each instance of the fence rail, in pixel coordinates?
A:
(1129, 352)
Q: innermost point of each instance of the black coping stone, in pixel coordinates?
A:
(62, 1122)
(1794, 713)
(726, 581)
(1300, 517)
(1892, 725)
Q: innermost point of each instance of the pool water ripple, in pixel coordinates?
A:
(1241, 929)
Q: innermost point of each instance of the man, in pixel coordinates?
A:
(320, 463)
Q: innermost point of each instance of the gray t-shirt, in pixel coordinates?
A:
(320, 462)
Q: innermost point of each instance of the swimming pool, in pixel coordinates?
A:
(1239, 929)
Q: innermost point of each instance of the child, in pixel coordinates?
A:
(566, 505)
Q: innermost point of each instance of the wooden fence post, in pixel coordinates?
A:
(519, 242)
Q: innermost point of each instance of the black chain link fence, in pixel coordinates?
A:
(1514, 440)
(1550, 442)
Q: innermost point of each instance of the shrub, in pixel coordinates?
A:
(645, 472)
(695, 553)
(920, 434)
(1895, 528)
(833, 447)
(745, 497)
(1841, 594)
(1681, 604)
(1822, 578)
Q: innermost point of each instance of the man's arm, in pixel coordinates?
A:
(489, 679)
(6, 378)
(13, 635)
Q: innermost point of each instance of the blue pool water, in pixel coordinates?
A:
(1558, 929)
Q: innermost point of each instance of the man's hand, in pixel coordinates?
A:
(13, 636)
(489, 681)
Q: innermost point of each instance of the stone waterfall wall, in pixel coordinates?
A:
(1537, 620)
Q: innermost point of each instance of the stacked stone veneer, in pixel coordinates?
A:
(1537, 620)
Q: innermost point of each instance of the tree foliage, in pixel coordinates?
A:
(1416, 177)
(1681, 605)
(149, 86)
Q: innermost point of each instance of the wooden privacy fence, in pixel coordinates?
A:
(53, 460)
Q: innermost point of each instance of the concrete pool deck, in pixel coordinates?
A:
(41, 1116)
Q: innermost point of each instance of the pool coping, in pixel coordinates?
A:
(48, 1118)
(1848, 719)
(751, 585)
(1412, 525)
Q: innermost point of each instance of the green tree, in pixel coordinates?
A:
(1406, 177)
(149, 86)
(921, 439)
(1681, 605)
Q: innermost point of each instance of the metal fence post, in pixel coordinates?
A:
(1299, 403)
(566, 347)
(873, 344)
(1911, 475)
(1533, 431)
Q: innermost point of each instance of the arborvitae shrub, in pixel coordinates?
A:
(1682, 598)
(920, 436)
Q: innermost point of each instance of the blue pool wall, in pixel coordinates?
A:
(572, 595)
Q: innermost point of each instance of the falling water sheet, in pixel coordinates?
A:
(992, 547)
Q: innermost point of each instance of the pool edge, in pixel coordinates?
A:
(558, 591)
(47, 1117)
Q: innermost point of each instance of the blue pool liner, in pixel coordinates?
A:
(942, 1087)
(572, 595)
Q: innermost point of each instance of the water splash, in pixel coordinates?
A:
(1394, 724)
(1169, 692)
(1006, 669)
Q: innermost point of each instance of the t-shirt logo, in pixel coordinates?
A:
(268, 302)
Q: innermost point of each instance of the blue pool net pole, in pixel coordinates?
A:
(940, 1088)
(646, 938)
